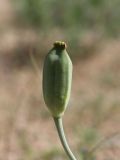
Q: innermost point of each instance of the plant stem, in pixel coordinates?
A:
(60, 130)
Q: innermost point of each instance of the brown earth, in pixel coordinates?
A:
(26, 128)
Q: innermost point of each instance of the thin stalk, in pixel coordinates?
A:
(60, 130)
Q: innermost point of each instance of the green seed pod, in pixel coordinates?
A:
(57, 76)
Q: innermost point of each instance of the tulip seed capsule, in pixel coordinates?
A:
(57, 76)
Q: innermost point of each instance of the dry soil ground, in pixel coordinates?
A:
(26, 128)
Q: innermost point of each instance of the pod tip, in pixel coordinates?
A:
(60, 45)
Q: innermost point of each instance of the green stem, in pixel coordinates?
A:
(59, 126)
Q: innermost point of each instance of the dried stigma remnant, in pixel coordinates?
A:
(60, 45)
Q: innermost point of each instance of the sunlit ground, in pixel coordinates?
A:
(27, 130)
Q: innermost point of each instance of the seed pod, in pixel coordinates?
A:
(57, 76)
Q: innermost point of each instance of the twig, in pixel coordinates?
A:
(103, 141)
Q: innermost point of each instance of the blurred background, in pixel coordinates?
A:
(91, 29)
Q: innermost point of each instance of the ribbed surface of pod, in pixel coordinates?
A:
(57, 77)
